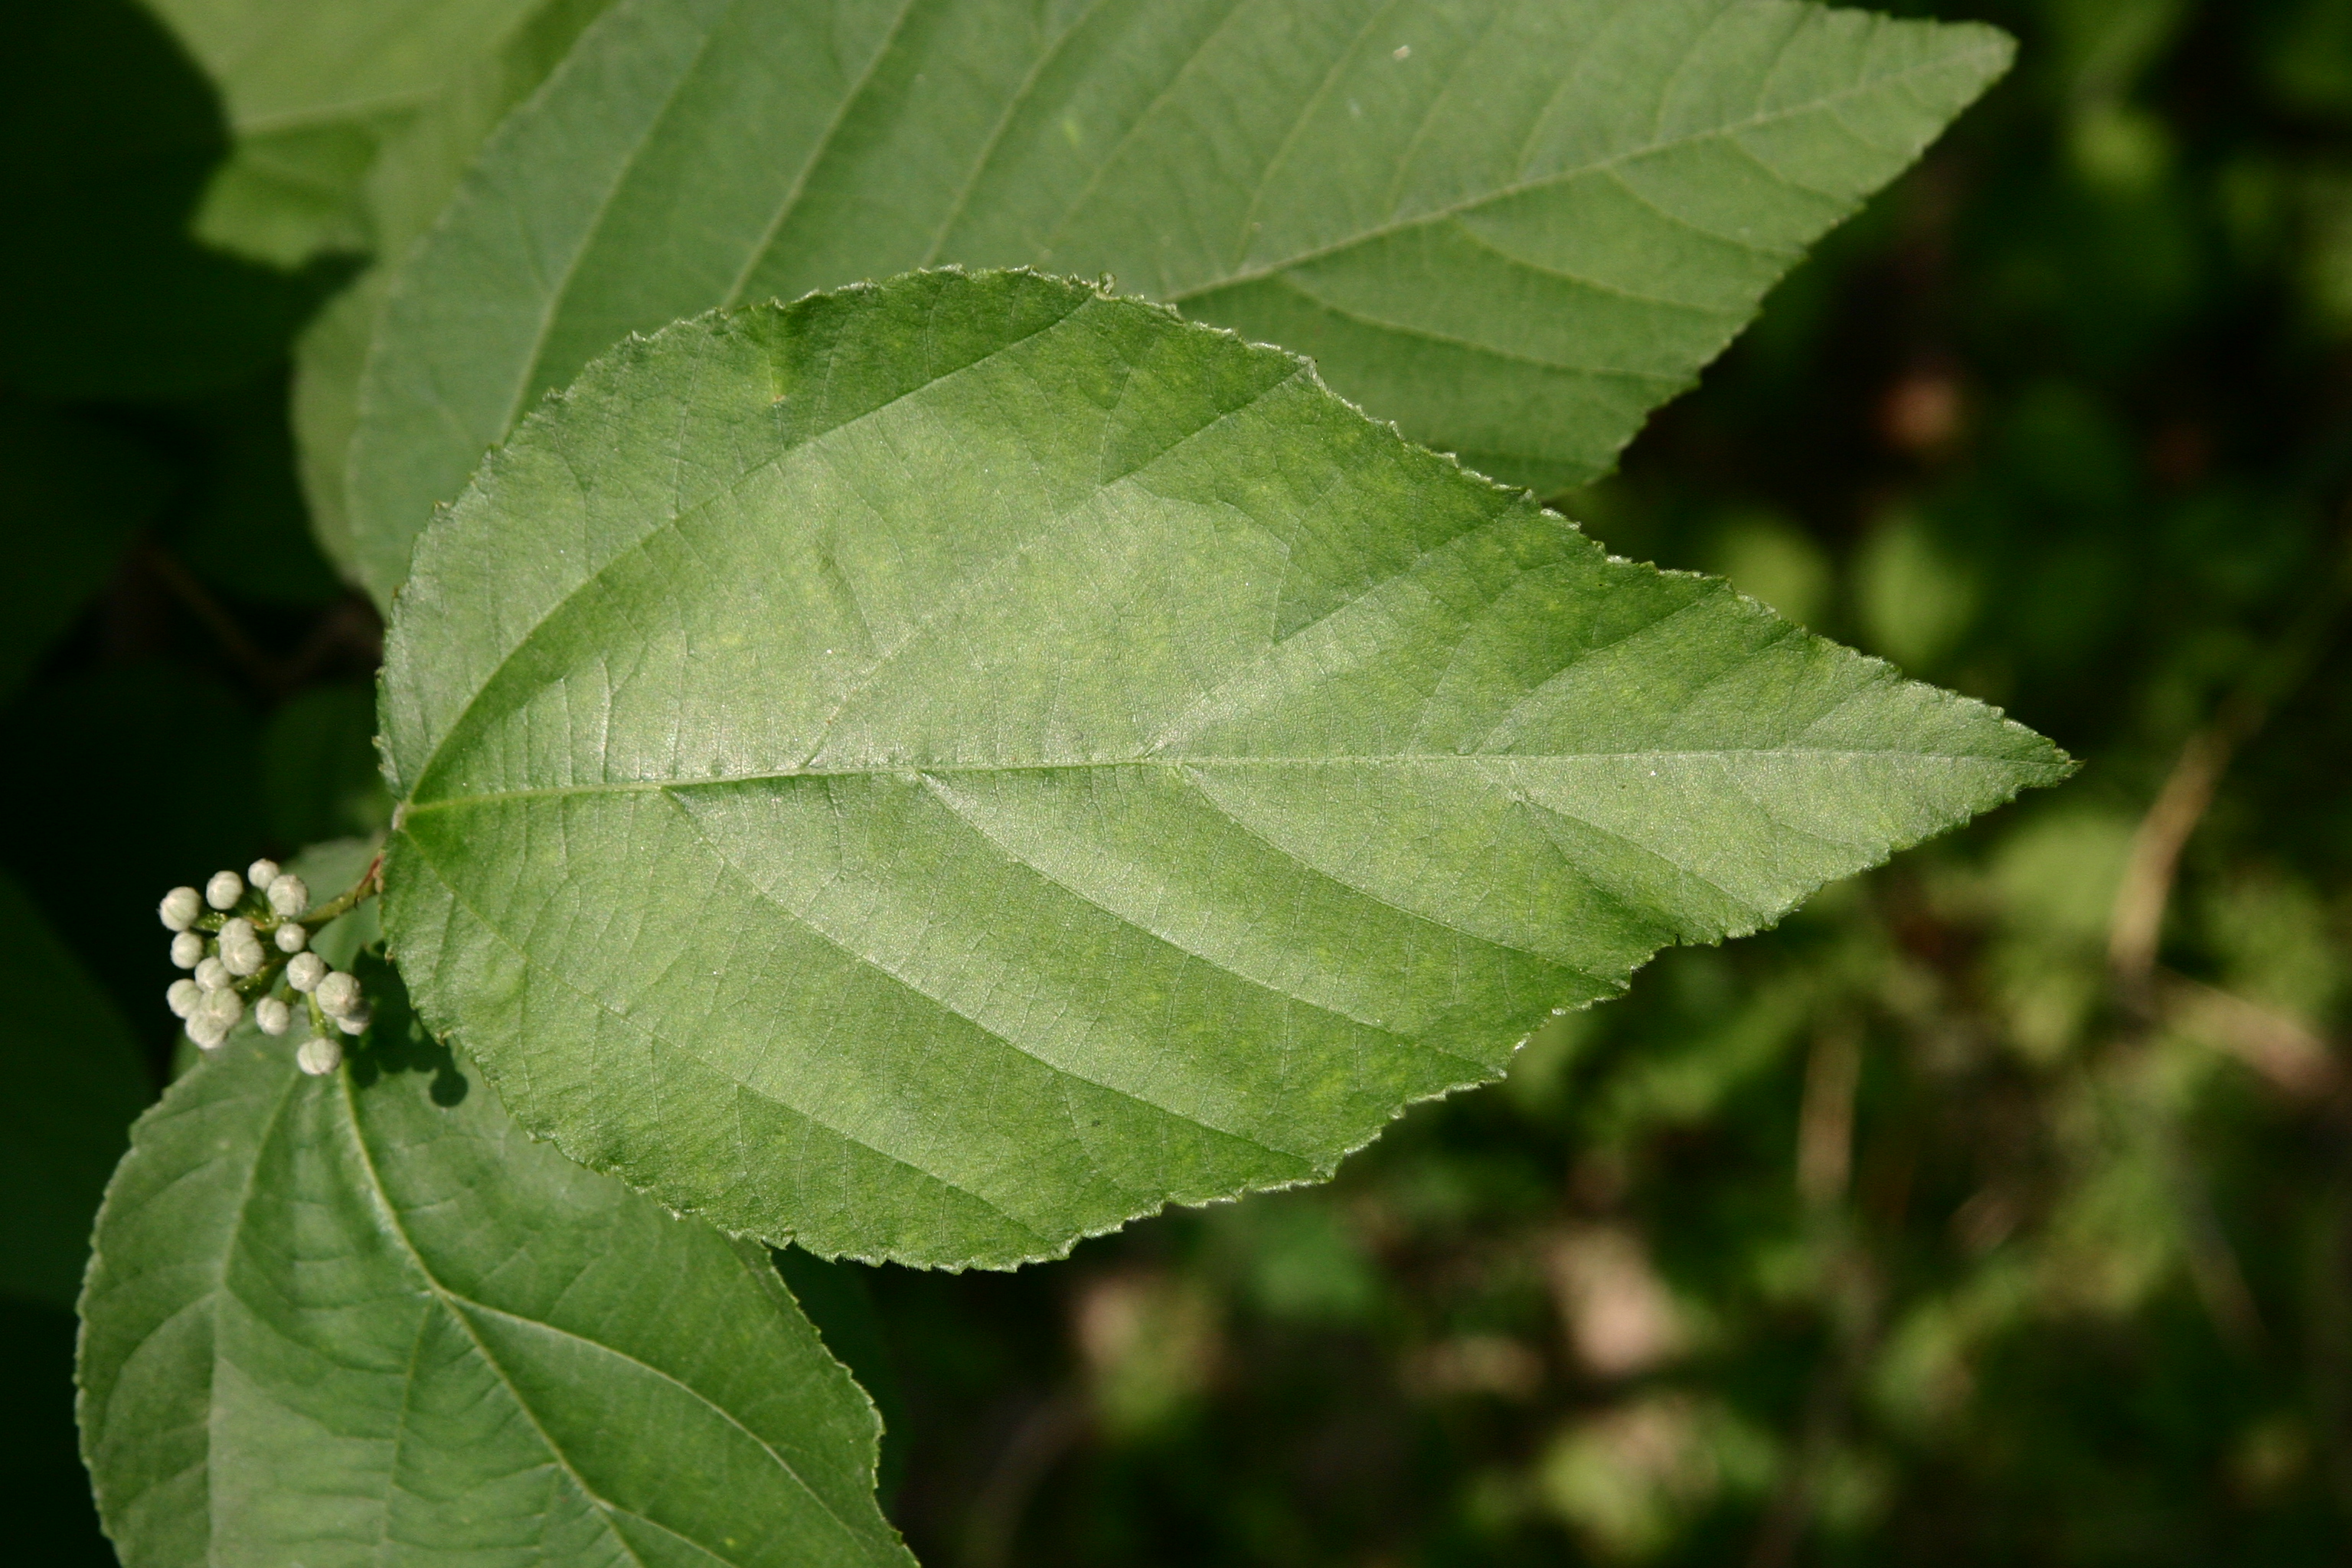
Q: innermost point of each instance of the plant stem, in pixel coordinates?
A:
(370, 884)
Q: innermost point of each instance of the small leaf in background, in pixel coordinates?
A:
(352, 121)
(320, 773)
(1771, 559)
(335, 1316)
(1513, 226)
(1914, 600)
(107, 135)
(310, 91)
(76, 490)
(245, 530)
(972, 760)
(76, 1082)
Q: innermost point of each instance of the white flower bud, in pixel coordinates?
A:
(243, 957)
(355, 1021)
(319, 1054)
(305, 973)
(292, 938)
(261, 873)
(274, 1016)
(288, 895)
(213, 974)
(224, 890)
(338, 994)
(188, 949)
(180, 908)
(183, 998)
(208, 1031)
(223, 1007)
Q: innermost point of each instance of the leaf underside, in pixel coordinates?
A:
(934, 771)
(342, 1322)
(1513, 226)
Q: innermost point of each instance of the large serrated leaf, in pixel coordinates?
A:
(363, 1319)
(1515, 227)
(933, 772)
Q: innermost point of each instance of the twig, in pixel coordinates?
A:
(1824, 1172)
(370, 883)
(2282, 1049)
(350, 627)
(1825, 1121)
(2213, 1265)
(198, 601)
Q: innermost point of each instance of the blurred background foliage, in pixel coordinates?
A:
(1997, 1208)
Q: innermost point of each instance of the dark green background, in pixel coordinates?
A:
(2063, 420)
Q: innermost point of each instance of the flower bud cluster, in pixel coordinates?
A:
(239, 938)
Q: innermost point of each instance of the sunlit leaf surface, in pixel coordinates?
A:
(1515, 227)
(935, 771)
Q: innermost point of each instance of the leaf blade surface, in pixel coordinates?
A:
(364, 1320)
(964, 763)
(1514, 227)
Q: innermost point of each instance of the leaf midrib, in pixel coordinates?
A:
(415, 807)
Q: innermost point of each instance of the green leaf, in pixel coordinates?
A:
(319, 768)
(107, 133)
(353, 123)
(362, 1319)
(1515, 227)
(243, 527)
(417, 161)
(312, 90)
(934, 771)
(75, 1084)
